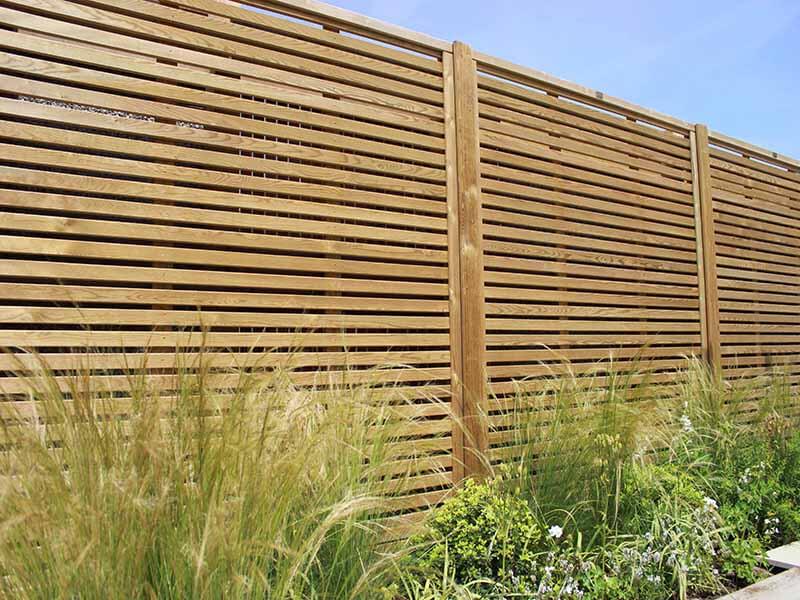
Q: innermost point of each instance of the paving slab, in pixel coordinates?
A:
(784, 586)
(785, 557)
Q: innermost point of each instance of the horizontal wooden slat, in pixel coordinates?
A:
(200, 136)
(756, 213)
(198, 186)
(590, 172)
(320, 38)
(223, 94)
(29, 338)
(130, 362)
(206, 278)
(82, 100)
(577, 149)
(260, 77)
(170, 194)
(203, 32)
(590, 247)
(558, 111)
(90, 294)
(190, 318)
(164, 172)
(216, 164)
(191, 256)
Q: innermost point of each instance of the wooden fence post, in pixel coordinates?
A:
(706, 247)
(473, 332)
(454, 268)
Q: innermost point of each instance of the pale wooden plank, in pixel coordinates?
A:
(201, 257)
(213, 121)
(220, 141)
(710, 272)
(322, 54)
(208, 278)
(216, 163)
(471, 259)
(361, 49)
(454, 264)
(65, 19)
(221, 92)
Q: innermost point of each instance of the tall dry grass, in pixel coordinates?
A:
(580, 432)
(259, 490)
(237, 483)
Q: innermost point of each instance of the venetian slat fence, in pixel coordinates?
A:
(287, 182)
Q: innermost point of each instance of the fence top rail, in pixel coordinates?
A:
(353, 22)
(503, 68)
(747, 149)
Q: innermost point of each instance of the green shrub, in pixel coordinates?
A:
(651, 491)
(626, 571)
(755, 498)
(484, 533)
(786, 519)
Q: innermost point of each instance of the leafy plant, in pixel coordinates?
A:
(742, 558)
(484, 533)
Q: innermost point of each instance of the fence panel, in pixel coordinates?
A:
(294, 185)
(589, 240)
(757, 234)
(170, 168)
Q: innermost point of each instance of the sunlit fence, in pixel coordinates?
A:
(288, 181)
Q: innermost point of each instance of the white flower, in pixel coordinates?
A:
(687, 423)
(710, 503)
(746, 477)
(555, 532)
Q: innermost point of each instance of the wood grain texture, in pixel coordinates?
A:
(756, 202)
(454, 263)
(244, 191)
(710, 289)
(306, 189)
(471, 260)
(590, 242)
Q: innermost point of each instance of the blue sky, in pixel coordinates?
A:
(732, 64)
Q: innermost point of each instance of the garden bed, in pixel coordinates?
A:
(604, 492)
(599, 505)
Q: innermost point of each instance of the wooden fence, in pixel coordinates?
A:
(297, 179)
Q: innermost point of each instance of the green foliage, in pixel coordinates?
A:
(676, 499)
(742, 558)
(574, 454)
(485, 533)
(271, 491)
(629, 570)
(758, 488)
(651, 491)
(676, 525)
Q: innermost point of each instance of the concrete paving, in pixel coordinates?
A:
(784, 586)
(785, 557)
